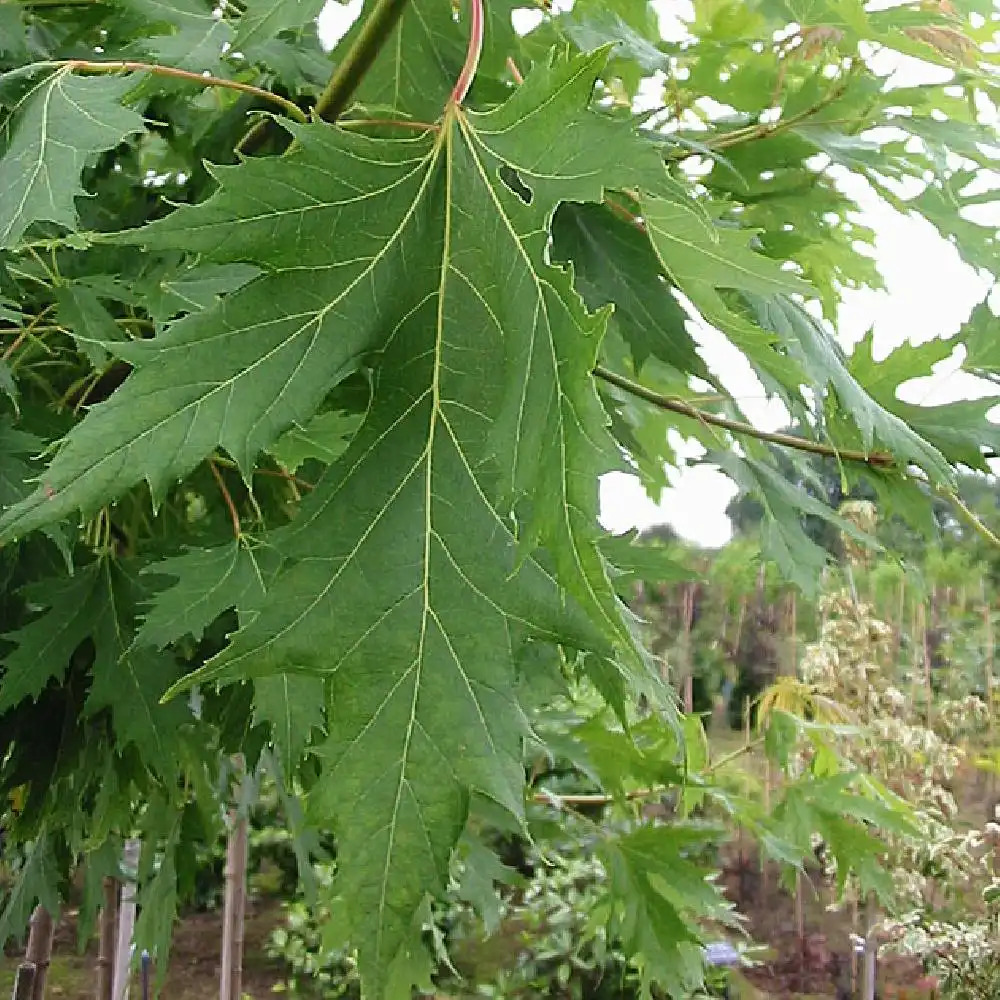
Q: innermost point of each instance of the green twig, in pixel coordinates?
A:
(878, 459)
(348, 75)
(765, 130)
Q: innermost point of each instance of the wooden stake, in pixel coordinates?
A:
(234, 905)
(24, 981)
(800, 925)
(869, 970)
(927, 661)
(39, 950)
(106, 940)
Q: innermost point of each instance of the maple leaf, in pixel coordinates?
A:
(47, 139)
(824, 360)
(263, 20)
(614, 262)
(237, 375)
(37, 882)
(185, 33)
(207, 582)
(97, 603)
(701, 257)
(482, 401)
(659, 889)
(959, 430)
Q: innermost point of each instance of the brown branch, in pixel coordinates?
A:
(877, 459)
(227, 498)
(127, 66)
(287, 476)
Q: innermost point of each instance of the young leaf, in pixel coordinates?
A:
(208, 582)
(36, 882)
(45, 142)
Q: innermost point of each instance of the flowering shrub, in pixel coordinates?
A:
(932, 865)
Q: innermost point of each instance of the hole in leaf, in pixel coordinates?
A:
(515, 184)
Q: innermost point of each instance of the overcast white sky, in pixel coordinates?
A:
(929, 293)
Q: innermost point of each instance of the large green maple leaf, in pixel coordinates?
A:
(352, 232)
(427, 258)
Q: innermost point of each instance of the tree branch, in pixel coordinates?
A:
(127, 66)
(877, 459)
(348, 75)
(227, 498)
(764, 130)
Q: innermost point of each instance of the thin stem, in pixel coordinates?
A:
(26, 332)
(472, 55)
(514, 71)
(348, 75)
(227, 498)
(765, 130)
(970, 516)
(603, 799)
(127, 66)
(878, 459)
(734, 754)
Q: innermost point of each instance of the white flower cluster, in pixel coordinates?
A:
(918, 763)
(913, 935)
(959, 717)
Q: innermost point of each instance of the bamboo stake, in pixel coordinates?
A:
(39, 950)
(990, 653)
(239, 910)
(126, 920)
(688, 621)
(854, 951)
(234, 905)
(794, 634)
(106, 940)
(900, 618)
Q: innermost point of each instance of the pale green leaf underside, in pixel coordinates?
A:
(47, 140)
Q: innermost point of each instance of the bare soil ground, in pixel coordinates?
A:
(194, 960)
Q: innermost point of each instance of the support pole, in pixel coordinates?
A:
(39, 950)
(126, 920)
